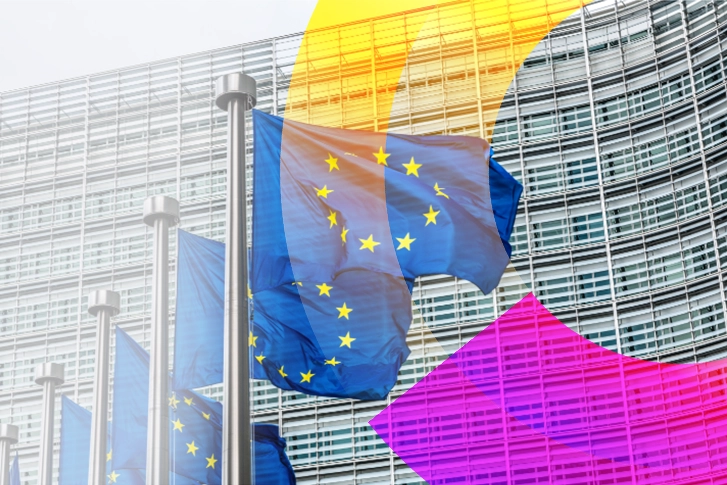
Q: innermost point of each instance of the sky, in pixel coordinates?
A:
(44, 41)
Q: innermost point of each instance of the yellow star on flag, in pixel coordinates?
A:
(251, 340)
(113, 477)
(282, 372)
(344, 231)
(346, 340)
(431, 216)
(178, 425)
(249, 292)
(405, 242)
(173, 401)
(191, 448)
(368, 243)
(206, 416)
(344, 311)
(211, 461)
(332, 362)
(381, 157)
(440, 191)
(412, 167)
(323, 192)
(306, 377)
(299, 283)
(260, 358)
(189, 401)
(108, 455)
(332, 163)
(325, 289)
(332, 218)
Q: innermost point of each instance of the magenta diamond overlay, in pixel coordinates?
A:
(530, 401)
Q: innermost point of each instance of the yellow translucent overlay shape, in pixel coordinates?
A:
(355, 57)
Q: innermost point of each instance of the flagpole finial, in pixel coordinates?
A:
(49, 372)
(161, 206)
(9, 433)
(104, 300)
(235, 85)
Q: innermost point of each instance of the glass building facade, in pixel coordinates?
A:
(615, 124)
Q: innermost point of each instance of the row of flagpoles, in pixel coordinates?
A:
(49, 375)
(235, 93)
(295, 335)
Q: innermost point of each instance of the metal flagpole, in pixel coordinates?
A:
(236, 93)
(103, 304)
(8, 436)
(48, 375)
(161, 213)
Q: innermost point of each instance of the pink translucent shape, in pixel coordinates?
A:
(530, 401)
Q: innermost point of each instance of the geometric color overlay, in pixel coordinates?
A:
(530, 401)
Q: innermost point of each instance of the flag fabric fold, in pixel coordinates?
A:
(200, 319)
(15, 471)
(195, 427)
(130, 404)
(343, 223)
(75, 443)
(272, 466)
(199, 324)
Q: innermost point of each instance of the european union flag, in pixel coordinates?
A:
(195, 426)
(75, 443)
(199, 325)
(272, 466)
(131, 401)
(15, 471)
(343, 223)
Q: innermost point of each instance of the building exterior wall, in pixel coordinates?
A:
(615, 124)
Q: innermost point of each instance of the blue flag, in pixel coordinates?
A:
(199, 326)
(195, 426)
(199, 329)
(272, 466)
(333, 268)
(131, 401)
(75, 443)
(343, 223)
(15, 471)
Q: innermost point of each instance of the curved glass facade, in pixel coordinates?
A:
(615, 124)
